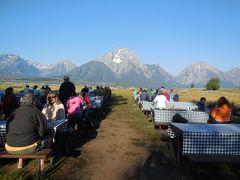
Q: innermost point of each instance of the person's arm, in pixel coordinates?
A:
(214, 112)
(61, 92)
(44, 110)
(61, 112)
(155, 99)
(41, 124)
(88, 101)
(73, 89)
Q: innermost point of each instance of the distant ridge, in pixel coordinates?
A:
(119, 67)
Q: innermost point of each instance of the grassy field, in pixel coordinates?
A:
(136, 119)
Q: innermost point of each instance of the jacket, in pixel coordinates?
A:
(27, 126)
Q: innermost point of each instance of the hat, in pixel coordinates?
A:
(66, 77)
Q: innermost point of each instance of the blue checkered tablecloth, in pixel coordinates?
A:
(58, 126)
(96, 102)
(181, 105)
(166, 116)
(3, 132)
(208, 139)
(146, 106)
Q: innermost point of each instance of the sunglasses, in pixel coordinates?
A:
(51, 97)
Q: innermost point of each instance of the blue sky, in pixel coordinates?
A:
(172, 33)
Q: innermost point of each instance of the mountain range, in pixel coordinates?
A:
(119, 67)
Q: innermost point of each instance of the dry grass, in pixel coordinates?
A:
(193, 95)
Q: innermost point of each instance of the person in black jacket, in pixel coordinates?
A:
(66, 90)
(26, 128)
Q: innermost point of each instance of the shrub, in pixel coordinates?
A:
(213, 84)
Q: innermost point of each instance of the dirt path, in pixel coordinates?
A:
(114, 151)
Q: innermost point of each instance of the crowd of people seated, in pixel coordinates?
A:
(160, 96)
(27, 115)
(220, 113)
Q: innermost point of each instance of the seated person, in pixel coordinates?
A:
(221, 112)
(53, 109)
(26, 129)
(85, 89)
(176, 97)
(9, 102)
(86, 104)
(201, 105)
(144, 96)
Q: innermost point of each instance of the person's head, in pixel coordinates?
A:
(35, 87)
(222, 100)
(160, 92)
(203, 100)
(66, 78)
(28, 99)
(9, 91)
(53, 98)
(83, 94)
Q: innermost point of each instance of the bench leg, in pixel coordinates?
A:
(42, 164)
(20, 163)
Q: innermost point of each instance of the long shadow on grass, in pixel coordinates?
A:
(73, 142)
(156, 167)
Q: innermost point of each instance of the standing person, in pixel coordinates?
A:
(160, 100)
(53, 109)
(26, 129)
(74, 108)
(66, 90)
(221, 113)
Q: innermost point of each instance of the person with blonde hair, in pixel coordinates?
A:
(53, 109)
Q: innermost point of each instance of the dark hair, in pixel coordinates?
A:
(83, 94)
(202, 98)
(222, 100)
(8, 91)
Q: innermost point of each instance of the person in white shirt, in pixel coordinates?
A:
(161, 101)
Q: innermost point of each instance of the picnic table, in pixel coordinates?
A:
(146, 106)
(162, 117)
(57, 126)
(202, 142)
(2, 132)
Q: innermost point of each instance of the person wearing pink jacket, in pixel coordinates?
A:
(74, 107)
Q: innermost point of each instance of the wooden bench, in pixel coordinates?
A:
(41, 155)
(213, 158)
